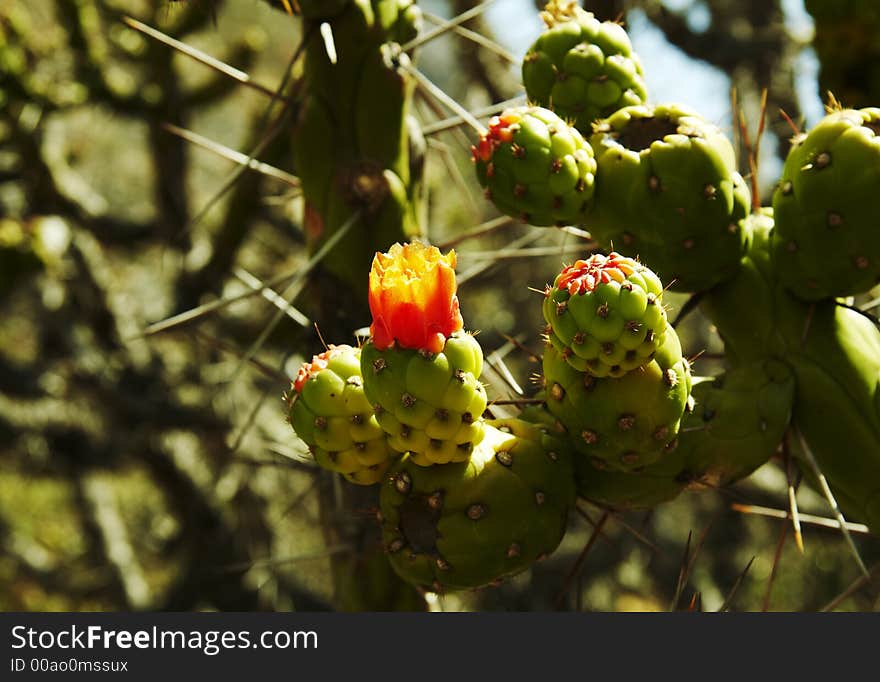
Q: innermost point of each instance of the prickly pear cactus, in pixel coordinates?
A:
(535, 167)
(582, 68)
(826, 243)
(605, 314)
(668, 191)
(468, 524)
(329, 411)
(466, 499)
(622, 423)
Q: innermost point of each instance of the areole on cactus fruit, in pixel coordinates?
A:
(606, 314)
(468, 524)
(329, 412)
(535, 167)
(827, 243)
(582, 68)
(667, 191)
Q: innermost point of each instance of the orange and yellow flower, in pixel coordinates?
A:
(412, 298)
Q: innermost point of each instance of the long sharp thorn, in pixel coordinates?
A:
(198, 55)
(455, 121)
(293, 290)
(480, 230)
(206, 309)
(682, 573)
(728, 600)
(826, 491)
(232, 155)
(477, 38)
(306, 556)
(790, 122)
(576, 567)
(777, 556)
(447, 26)
(271, 131)
(477, 270)
(792, 503)
(435, 91)
(810, 519)
(858, 584)
(272, 296)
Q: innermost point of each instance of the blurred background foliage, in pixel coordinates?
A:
(150, 466)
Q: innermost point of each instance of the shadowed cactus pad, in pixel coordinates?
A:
(535, 167)
(737, 424)
(328, 410)
(606, 314)
(582, 68)
(620, 423)
(667, 191)
(429, 404)
(827, 242)
(467, 524)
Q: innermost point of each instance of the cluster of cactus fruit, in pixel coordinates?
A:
(467, 499)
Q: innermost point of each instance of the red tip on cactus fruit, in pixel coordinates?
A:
(585, 275)
(412, 298)
(319, 362)
(501, 129)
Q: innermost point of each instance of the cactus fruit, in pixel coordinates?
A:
(826, 243)
(620, 423)
(421, 371)
(430, 404)
(328, 410)
(535, 167)
(667, 190)
(606, 314)
(582, 68)
(464, 525)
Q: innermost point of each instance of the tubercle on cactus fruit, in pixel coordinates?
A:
(412, 298)
(318, 363)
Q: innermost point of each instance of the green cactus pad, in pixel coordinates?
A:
(837, 407)
(535, 167)
(329, 412)
(429, 404)
(624, 423)
(667, 191)
(738, 422)
(582, 68)
(826, 243)
(467, 524)
(606, 314)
